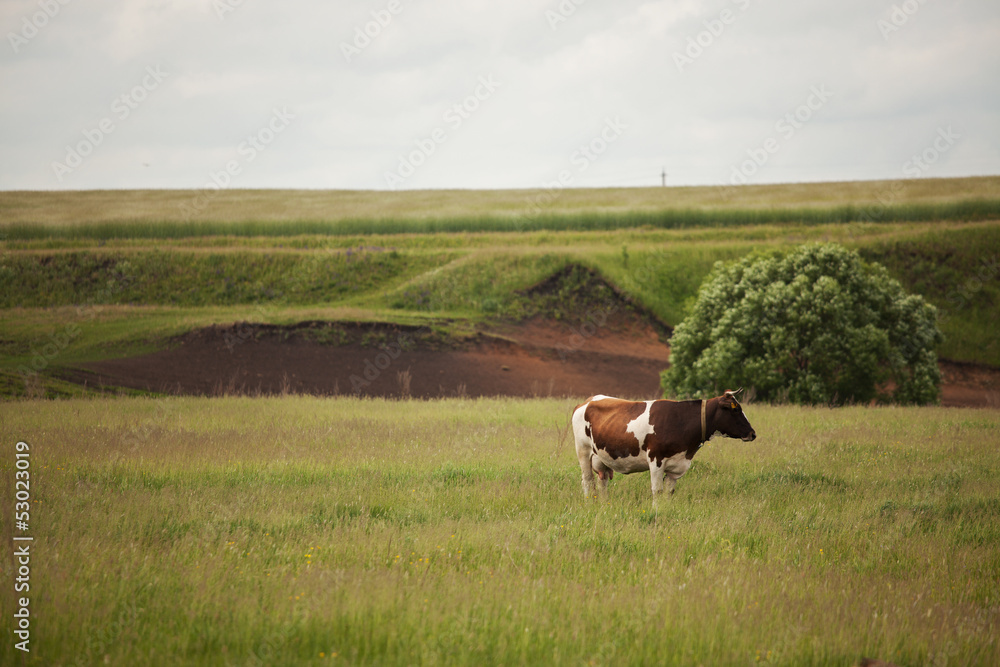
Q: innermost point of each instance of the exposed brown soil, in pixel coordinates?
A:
(392, 360)
(969, 385)
(539, 357)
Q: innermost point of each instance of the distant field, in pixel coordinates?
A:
(314, 531)
(181, 213)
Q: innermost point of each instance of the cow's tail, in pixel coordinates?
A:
(561, 435)
(562, 432)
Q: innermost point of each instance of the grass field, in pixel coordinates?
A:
(166, 214)
(296, 531)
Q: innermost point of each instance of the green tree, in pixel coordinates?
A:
(818, 325)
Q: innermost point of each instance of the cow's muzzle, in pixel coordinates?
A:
(751, 437)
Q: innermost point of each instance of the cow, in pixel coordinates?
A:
(613, 435)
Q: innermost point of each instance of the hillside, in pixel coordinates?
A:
(71, 301)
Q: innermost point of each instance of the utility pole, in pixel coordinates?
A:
(664, 177)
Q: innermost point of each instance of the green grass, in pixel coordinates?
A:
(543, 221)
(959, 272)
(174, 214)
(478, 284)
(184, 278)
(313, 531)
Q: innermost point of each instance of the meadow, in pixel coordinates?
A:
(299, 530)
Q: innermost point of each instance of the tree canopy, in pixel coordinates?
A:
(817, 325)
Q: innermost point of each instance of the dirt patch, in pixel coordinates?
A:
(390, 360)
(969, 385)
(578, 336)
(539, 357)
(579, 297)
(626, 339)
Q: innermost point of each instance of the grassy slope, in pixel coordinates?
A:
(81, 302)
(278, 531)
(164, 277)
(959, 272)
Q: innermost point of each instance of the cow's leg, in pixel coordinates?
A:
(661, 480)
(662, 483)
(664, 475)
(583, 453)
(669, 483)
(656, 474)
(604, 473)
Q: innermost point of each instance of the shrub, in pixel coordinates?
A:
(816, 326)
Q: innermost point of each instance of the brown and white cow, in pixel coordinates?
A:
(613, 435)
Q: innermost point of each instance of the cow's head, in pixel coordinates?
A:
(730, 419)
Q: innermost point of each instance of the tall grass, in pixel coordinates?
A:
(510, 221)
(309, 531)
(60, 208)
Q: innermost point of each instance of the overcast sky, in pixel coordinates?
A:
(411, 94)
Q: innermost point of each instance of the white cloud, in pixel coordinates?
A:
(560, 82)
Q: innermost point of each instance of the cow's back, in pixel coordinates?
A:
(613, 424)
